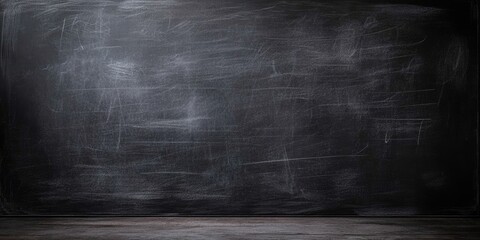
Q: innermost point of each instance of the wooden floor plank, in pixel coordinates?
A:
(238, 228)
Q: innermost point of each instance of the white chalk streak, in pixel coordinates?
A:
(306, 158)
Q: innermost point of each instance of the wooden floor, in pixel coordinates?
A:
(238, 228)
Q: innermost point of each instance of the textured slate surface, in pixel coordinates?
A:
(238, 107)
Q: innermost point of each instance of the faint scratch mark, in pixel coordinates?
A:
(179, 173)
(61, 35)
(419, 132)
(363, 149)
(387, 139)
(274, 68)
(119, 139)
(306, 158)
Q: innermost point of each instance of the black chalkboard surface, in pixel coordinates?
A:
(238, 107)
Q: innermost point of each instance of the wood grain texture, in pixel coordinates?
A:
(238, 228)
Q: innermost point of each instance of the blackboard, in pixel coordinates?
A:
(238, 107)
